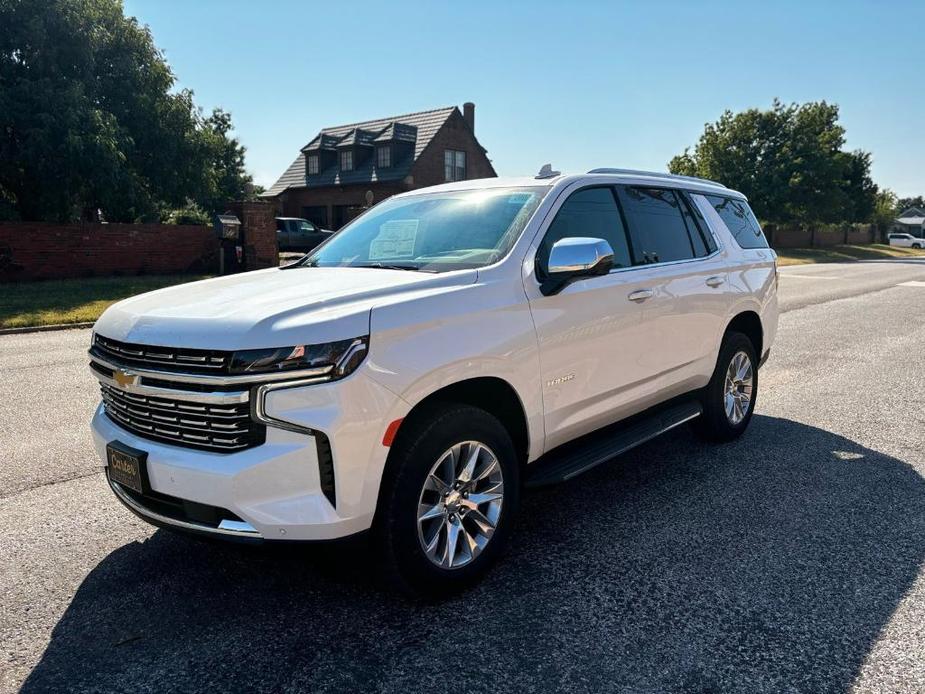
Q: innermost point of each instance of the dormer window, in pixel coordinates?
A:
(346, 160)
(312, 165)
(383, 156)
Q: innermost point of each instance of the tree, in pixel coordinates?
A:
(90, 120)
(885, 209)
(788, 160)
(905, 203)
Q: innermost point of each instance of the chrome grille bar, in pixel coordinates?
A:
(209, 360)
(219, 427)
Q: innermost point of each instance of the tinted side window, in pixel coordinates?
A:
(704, 243)
(658, 232)
(591, 212)
(740, 220)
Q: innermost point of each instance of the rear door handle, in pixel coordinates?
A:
(640, 295)
(715, 281)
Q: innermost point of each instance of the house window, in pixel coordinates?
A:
(312, 164)
(346, 160)
(454, 165)
(384, 157)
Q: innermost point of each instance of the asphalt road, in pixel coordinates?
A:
(791, 560)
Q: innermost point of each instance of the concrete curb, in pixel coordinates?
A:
(44, 328)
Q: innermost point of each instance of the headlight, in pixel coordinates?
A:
(344, 356)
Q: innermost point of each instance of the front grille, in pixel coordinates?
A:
(164, 358)
(220, 428)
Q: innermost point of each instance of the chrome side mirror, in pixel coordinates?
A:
(573, 258)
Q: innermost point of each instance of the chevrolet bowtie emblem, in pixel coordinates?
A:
(125, 378)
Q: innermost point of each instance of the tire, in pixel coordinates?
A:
(715, 424)
(917, 245)
(409, 490)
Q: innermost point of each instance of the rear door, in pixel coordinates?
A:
(684, 317)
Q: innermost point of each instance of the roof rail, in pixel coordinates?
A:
(657, 174)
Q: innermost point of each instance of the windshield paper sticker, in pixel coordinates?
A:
(395, 240)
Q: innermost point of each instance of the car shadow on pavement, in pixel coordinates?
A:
(768, 564)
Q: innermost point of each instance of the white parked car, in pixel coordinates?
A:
(446, 348)
(906, 241)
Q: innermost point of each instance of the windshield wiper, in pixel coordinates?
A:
(375, 266)
(390, 266)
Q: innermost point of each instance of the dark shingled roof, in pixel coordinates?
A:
(418, 128)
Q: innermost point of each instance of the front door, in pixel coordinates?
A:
(590, 333)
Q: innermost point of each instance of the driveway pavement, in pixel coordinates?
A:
(790, 560)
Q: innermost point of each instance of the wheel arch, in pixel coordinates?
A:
(490, 393)
(748, 323)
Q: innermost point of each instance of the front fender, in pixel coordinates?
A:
(482, 330)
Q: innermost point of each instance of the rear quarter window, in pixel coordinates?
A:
(740, 220)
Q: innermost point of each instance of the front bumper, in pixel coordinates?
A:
(274, 490)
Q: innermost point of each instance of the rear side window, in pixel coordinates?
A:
(739, 219)
(702, 238)
(590, 212)
(658, 231)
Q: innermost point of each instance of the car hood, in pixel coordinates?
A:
(267, 308)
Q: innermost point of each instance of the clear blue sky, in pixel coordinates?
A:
(578, 84)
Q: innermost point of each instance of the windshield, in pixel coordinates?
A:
(433, 233)
(305, 226)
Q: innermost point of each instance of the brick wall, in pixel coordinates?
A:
(37, 251)
(258, 226)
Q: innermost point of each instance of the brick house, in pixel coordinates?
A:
(344, 168)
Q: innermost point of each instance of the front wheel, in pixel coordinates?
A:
(728, 401)
(448, 500)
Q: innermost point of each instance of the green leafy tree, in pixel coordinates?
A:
(90, 120)
(905, 203)
(885, 209)
(788, 160)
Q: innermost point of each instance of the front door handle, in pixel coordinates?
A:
(715, 281)
(641, 295)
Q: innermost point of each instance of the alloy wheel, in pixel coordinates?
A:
(460, 504)
(739, 384)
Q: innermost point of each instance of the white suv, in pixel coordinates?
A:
(906, 241)
(446, 348)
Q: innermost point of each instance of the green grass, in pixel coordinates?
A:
(840, 254)
(30, 304)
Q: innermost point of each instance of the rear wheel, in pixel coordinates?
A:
(728, 401)
(448, 500)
